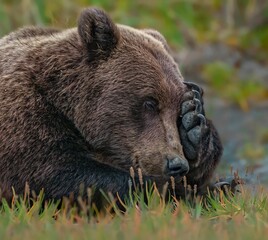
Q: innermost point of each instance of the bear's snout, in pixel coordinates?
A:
(176, 166)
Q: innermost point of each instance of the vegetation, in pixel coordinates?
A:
(243, 216)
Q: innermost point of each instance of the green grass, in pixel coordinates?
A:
(243, 216)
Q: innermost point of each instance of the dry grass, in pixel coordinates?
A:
(243, 216)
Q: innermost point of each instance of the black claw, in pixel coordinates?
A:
(220, 185)
(194, 87)
(196, 94)
(198, 105)
(203, 119)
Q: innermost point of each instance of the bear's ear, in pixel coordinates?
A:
(98, 33)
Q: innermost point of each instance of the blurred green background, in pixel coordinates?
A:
(241, 23)
(238, 24)
(221, 44)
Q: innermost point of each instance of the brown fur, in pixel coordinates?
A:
(72, 106)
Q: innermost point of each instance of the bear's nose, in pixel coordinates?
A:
(177, 166)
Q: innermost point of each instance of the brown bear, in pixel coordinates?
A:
(84, 105)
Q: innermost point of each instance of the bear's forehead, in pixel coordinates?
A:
(168, 80)
(140, 39)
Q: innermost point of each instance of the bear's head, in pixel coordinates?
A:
(122, 90)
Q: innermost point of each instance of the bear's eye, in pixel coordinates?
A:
(151, 105)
